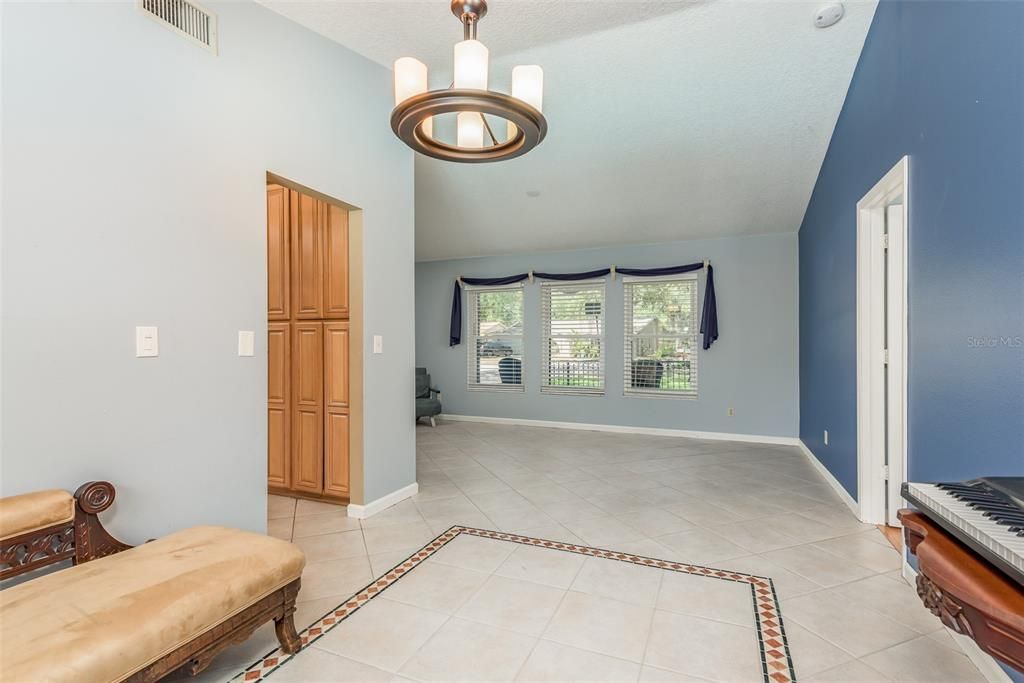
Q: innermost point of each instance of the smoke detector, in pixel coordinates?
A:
(829, 15)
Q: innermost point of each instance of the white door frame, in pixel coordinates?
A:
(875, 312)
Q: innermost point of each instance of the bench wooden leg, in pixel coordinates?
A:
(194, 656)
(285, 624)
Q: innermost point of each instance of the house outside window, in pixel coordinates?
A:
(572, 323)
(661, 336)
(495, 327)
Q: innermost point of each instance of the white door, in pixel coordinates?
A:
(895, 412)
(881, 347)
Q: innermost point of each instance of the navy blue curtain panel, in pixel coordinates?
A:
(455, 327)
(708, 319)
(455, 330)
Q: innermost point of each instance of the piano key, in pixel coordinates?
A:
(945, 501)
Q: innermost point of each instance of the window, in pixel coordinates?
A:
(661, 336)
(572, 316)
(495, 349)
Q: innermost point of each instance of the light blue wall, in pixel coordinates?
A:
(134, 193)
(752, 367)
(942, 82)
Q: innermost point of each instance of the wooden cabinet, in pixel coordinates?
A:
(308, 345)
(336, 399)
(336, 264)
(278, 405)
(278, 254)
(336, 433)
(336, 346)
(307, 407)
(308, 216)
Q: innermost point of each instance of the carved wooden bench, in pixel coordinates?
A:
(132, 614)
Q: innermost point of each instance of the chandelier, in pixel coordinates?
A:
(469, 98)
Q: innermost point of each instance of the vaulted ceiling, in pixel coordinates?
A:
(667, 120)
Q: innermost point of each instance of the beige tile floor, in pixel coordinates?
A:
(758, 509)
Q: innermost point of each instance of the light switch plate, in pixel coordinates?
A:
(378, 344)
(147, 343)
(246, 343)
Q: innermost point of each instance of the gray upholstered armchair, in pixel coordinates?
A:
(426, 404)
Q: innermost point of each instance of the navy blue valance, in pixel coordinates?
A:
(657, 272)
(495, 281)
(568, 277)
(709, 315)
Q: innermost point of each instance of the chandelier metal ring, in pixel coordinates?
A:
(409, 114)
(470, 98)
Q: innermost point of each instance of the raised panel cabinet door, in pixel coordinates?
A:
(307, 407)
(336, 263)
(278, 408)
(336, 346)
(278, 266)
(336, 426)
(307, 249)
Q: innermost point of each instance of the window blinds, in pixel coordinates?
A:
(495, 326)
(661, 336)
(572, 323)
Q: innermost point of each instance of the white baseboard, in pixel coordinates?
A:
(988, 666)
(382, 503)
(624, 429)
(844, 495)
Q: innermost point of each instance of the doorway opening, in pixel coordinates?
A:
(882, 346)
(314, 352)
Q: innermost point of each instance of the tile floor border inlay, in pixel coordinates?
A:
(776, 661)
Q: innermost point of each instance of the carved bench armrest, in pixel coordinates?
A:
(92, 540)
(79, 539)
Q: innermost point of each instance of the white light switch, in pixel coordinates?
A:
(146, 342)
(378, 344)
(246, 343)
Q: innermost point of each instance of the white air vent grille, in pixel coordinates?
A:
(186, 18)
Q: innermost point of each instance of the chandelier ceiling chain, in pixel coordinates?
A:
(469, 98)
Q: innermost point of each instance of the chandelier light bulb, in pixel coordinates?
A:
(471, 65)
(470, 126)
(528, 86)
(410, 80)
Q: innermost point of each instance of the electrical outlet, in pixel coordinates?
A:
(732, 412)
(826, 437)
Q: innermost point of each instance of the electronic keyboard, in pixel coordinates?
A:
(986, 514)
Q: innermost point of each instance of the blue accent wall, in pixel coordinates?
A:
(751, 368)
(942, 82)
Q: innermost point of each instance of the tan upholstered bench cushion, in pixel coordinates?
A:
(33, 511)
(106, 619)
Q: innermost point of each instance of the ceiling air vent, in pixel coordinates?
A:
(186, 18)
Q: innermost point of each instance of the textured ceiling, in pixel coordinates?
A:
(667, 120)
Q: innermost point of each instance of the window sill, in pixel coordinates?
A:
(567, 391)
(690, 395)
(498, 388)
